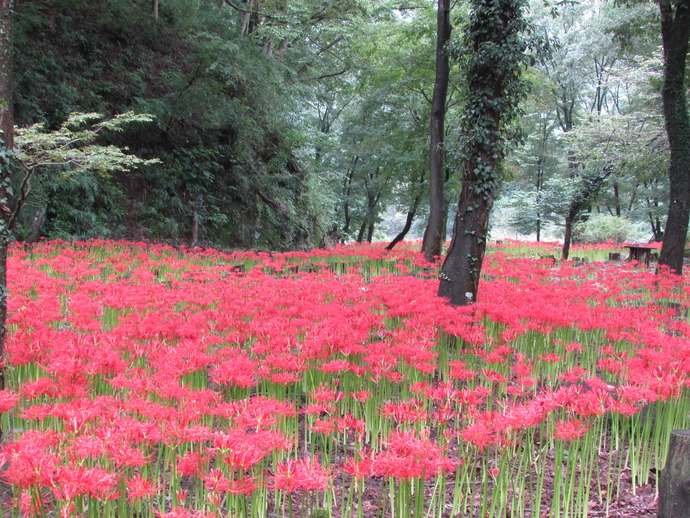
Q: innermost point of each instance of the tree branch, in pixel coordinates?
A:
(23, 195)
(249, 11)
(324, 76)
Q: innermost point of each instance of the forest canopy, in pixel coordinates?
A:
(285, 125)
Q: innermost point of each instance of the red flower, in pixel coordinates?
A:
(304, 473)
(569, 430)
(139, 487)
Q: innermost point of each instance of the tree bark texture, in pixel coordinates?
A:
(674, 481)
(435, 231)
(462, 267)
(567, 238)
(494, 88)
(675, 30)
(7, 128)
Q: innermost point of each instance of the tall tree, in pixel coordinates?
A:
(496, 47)
(435, 230)
(6, 144)
(675, 31)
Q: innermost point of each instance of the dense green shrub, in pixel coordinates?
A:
(604, 227)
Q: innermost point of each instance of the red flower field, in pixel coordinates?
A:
(148, 381)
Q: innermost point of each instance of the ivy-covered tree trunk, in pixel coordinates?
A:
(497, 54)
(435, 231)
(675, 30)
(7, 128)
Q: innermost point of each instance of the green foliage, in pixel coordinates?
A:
(79, 201)
(84, 207)
(603, 227)
(594, 104)
(226, 102)
(271, 124)
(72, 148)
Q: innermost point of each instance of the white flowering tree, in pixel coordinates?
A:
(69, 150)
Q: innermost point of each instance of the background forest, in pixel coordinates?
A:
(289, 125)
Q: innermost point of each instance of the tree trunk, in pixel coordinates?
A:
(435, 230)
(617, 199)
(674, 481)
(347, 187)
(155, 9)
(194, 237)
(411, 213)
(567, 238)
(462, 267)
(7, 137)
(408, 225)
(540, 181)
(37, 222)
(362, 229)
(494, 86)
(248, 20)
(675, 30)
(370, 231)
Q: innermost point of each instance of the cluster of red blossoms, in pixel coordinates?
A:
(151, 381)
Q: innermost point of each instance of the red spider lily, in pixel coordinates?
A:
(31, 503)
(216, 482)
(459, 372)
(570, 430)
(239, 371)
(360, 467)
(319, 408)
(360, 395)
(304, 473)
(8, 400)
(323, 394)
(70, 481)
(411, 411)
(123, 455)
(325, 426)
(242, 450)
(180, 357)
(445, 413)
(139, 487)
(191, 463)
(494, 376)
(594, 402)
(409, 456)
(525, 416)
(30, 460)
(480, 434)
(244, 486)
(257, 412)
(574, 375)
(573, 347)
(181, 512)
(340, 366)
(550, 357)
